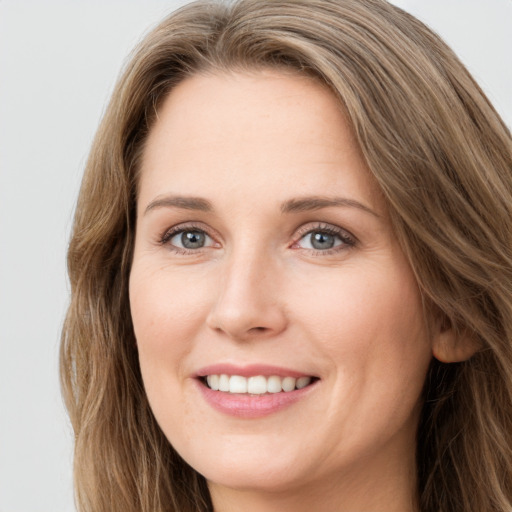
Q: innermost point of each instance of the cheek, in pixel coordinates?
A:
(167, 313)
(165, 306)
(364, 302)
(370, 325)
(369, 328)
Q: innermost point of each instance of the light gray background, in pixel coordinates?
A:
(58, 64)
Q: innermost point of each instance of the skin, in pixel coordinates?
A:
(257, 292)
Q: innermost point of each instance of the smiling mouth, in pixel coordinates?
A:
(256, 385)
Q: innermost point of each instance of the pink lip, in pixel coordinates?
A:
(249, 370)
(251, 406)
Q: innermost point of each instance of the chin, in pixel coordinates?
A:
(253, 469)
(255, 480)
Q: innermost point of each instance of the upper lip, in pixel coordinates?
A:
(250, 370)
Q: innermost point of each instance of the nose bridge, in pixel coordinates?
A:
(246, 301)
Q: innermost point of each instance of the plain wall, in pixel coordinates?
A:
(58, 64)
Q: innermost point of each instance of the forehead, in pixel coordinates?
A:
(261, 130)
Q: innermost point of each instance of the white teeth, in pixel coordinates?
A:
(213, 382)
(257, 385)
(274, 384)
(237, 384)
(288, 383)
(223, 383)
(302, 382)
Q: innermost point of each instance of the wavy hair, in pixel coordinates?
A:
(443, 160)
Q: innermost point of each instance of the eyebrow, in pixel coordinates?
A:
(185, 203)
(303, 204)
(312, 203)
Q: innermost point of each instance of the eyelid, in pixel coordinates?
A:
(348, 239)
(169, 233)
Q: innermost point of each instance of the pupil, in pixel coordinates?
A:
(192, 239)
(322, 241)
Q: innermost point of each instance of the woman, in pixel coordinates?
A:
(291, 271)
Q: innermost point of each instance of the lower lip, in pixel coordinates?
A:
(252, 406)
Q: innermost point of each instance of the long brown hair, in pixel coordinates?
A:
(443, 159)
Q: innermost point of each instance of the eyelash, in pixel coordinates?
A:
(182, 228)
(347, 239)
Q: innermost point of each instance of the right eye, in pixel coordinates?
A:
(188, 239)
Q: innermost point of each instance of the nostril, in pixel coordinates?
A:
(240, 320)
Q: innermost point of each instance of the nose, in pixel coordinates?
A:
(248, 303)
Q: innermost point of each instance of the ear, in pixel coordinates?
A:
(450, 346)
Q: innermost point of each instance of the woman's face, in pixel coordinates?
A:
(264, 259)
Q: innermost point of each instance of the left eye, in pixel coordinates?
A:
(321, 240)
(190, 239)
